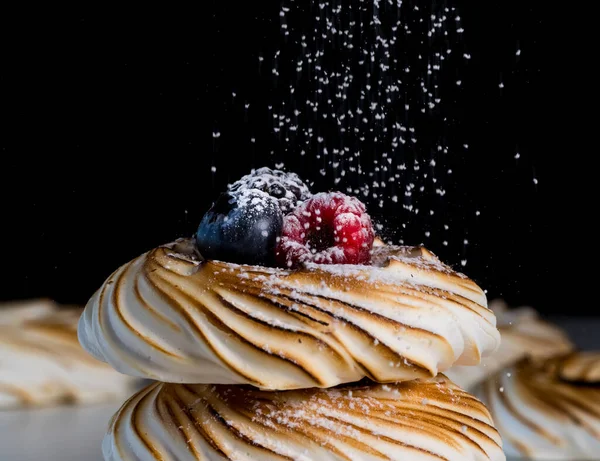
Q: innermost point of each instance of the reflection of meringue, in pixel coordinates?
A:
(416, 420)
(42, 363)
(59, 433)
(524, 334)
(548, 410)
(167, 316)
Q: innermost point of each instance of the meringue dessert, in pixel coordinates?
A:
(281, 289)
(275, 330)
(419, 420)
(524, 334)
(548, 409)
(42, 363)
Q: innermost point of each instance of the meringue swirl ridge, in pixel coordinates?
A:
(418, 420)
(168, 315)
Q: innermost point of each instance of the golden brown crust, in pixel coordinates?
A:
(169, 316)
(579, 367)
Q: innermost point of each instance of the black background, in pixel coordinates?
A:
(108, 145)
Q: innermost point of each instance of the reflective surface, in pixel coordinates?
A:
(54, 434)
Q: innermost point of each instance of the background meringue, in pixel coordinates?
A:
(42, 363)
(547, 410)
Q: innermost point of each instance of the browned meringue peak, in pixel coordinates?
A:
(540, 414)
(168, 316)
(41, 361)
(416, 420)
(581, 367)
(524, 334)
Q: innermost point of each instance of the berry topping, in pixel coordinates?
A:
(287, 188)
(241, 228)
(326, 229)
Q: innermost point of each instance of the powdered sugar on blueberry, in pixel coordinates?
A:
(241, 228)
(287, 188)
(254, 200)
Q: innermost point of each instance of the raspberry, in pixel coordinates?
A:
(329, 228)
(287, 188)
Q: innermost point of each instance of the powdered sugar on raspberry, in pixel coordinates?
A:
(329, 228)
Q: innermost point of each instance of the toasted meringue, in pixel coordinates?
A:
(171, 317)
(416, 420)
(41, 361)
(524, 334)
(583, 367)
(548, 410)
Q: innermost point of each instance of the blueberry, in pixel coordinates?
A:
(241, 228)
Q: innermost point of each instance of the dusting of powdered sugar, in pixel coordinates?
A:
(254, 200)
(287, 188)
